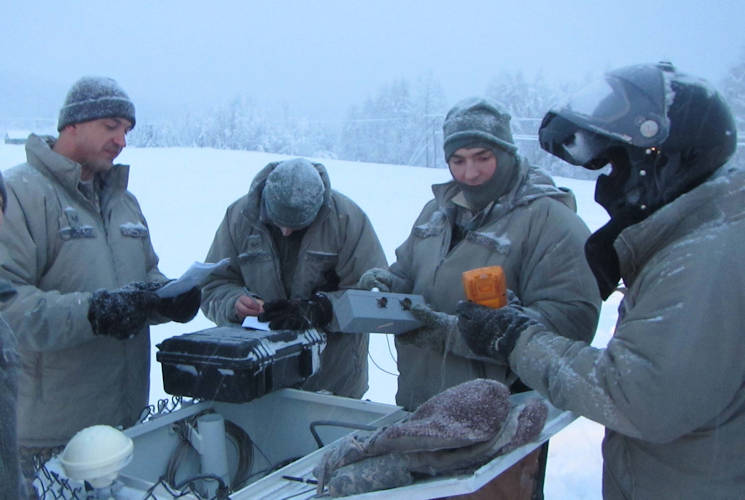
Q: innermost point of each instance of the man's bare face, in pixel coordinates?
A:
(98, 143)
(472, 166)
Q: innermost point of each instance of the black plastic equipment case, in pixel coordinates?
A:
(236, 365)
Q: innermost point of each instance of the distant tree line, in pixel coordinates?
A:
(401, 123)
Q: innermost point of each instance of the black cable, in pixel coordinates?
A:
(243, 443)
(336, 423)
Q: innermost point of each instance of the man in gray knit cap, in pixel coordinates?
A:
(288, 238)
(77, 249)
(497, 211)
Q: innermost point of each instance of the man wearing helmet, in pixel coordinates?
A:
(669, 385)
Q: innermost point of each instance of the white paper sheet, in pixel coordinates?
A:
(254, 324)
(196, 275)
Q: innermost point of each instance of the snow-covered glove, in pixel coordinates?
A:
(122, 313)
(436, 330)
(513, 299)
(377, 277)
(181, 308)
(492, 332)
(298, 314)
(458, 429)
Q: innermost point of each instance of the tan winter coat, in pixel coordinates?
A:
(340, 238)
(670, 386)
(535, 235)
(56, 247)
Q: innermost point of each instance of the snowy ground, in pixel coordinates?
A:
(184, 193)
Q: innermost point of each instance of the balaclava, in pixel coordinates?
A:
(91, 98)
(293, 194)
(481, 122)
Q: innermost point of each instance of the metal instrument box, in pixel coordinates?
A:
(363, 311)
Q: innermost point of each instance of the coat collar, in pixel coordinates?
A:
(41, 156)
(715, 202)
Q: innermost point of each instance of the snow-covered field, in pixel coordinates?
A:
(184, 193)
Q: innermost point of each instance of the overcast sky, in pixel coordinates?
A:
(319, 57)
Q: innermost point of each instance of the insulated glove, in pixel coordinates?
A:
(377, 277)
(437, 327)
(122, 313)
(181, 308)
(492, 332)
(297, 314)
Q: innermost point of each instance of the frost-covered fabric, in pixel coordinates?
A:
(94, 97)
(534, 233)
(454, 431)
(340, 242)
(293, 193)
(57, 247)
(11, 484)
(670, 386)
(477, 120)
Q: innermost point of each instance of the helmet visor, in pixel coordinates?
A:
(601, 102)
(628, 105)
(575, 145)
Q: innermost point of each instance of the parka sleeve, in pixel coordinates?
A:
(674, 363)
(42, 320)
(223, 287)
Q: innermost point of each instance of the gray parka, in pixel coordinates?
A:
(534, 233)
(57, 247)
(670, 386)
(340, 239)
(12, 485)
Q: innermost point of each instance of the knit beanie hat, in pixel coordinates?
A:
(94, 97)
(475, 121)
(293, 194)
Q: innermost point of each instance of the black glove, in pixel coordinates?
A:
(491, 332)
(121, 313)
(297, 314)
(181, 308)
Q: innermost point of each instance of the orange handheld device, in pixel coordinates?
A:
(486, 286)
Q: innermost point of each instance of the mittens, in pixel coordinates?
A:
(491, 332)
(121, 313)
(436, 328)
(377, 277)
(181, 308)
